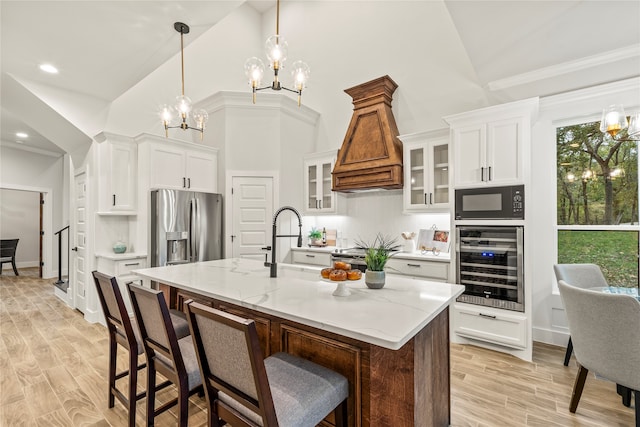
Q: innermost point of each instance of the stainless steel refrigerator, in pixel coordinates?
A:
(186, 226)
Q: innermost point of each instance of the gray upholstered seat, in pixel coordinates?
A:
(178, 320)
(606, 338)
(581, 275)
(166, 354)
(244, 389)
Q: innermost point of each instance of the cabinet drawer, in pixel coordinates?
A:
(489, 325)
(315, 258)
(427, 269)
(124, 267)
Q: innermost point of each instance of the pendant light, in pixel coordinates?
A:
(276, 50)
(614, 120)
(180, 115)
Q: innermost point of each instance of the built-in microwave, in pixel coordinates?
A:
(490, 203)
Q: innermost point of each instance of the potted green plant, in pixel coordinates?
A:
(376, 256)
(315, 236)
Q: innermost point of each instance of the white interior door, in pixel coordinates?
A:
(79, 241)
(252, 208)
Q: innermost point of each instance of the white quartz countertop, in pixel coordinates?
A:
(387, 317)
(124, 255)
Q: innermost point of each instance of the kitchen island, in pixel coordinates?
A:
(392, 344)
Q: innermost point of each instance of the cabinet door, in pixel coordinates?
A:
(439, 173)
(504, 152)
(201, 172)
(416, 198)
(167, 168)
(311, 187)
(327, 197)
(469, 149)
(123, 176)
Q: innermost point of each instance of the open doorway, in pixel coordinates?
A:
(21, 217)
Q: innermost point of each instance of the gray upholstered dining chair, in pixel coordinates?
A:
(173, 358)
(124, 332)
(8, 253)
(606, 338)
(584, 276)
(244, 389)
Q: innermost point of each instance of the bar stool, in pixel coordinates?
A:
(124, 331)
(173, 358)
(244, 389)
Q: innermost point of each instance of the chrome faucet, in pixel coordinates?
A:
(273, 265)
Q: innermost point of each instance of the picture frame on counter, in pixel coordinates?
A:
(433, 238)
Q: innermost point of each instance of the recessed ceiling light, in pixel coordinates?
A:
(22, 135)
(48, 68)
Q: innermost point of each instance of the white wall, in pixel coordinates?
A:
(24, 170)
(20, 219)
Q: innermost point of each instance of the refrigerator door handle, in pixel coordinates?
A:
(191, 230)
(196, 230)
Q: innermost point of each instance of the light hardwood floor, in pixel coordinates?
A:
(53, 373)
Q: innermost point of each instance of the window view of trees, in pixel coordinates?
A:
(597, 187)
(597, 177)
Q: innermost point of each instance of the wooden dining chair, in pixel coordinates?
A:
(173, 358)
(245, 390)
(606, 338)
(581, 275)
(124, 332)
(8, 253)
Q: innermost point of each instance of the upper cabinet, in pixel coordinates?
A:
(182, 166)
(117, 174)
(318, 197)
(489, 145)
(426, 171)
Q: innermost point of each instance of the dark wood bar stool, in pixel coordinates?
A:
(124, 331)
(244, 389)
(173, 358)
(8, 253)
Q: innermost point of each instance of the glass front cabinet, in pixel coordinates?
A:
(426, 171)
(318, 197)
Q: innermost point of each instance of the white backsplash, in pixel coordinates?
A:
(375, 212)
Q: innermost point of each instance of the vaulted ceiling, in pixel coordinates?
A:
(103, 48)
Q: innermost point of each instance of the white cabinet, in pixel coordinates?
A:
(489, 146)
(437, 271)
(318, 197)
(182, 168)
(120, 266)
(491, 325)
(117, 174)
(426, 171)
(311, 258)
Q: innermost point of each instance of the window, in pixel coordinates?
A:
(597, 201)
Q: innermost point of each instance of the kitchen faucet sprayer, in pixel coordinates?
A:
(273, 265)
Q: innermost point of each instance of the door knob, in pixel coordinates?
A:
(75, 249)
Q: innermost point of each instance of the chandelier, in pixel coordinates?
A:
(276, 50)
(180, 115)
(614, 120)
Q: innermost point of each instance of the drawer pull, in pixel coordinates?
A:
(413, 265)
(490, 316)
(132, 263)
(310, 256)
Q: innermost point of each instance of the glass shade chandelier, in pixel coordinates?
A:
(180, 115)
(276, 48)
(614, 120)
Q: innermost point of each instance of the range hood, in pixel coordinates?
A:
(371, 154)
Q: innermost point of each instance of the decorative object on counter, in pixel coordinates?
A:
(376, 256)
(324, 236)
(315, 237)
(341, 290)
(433, 240)
(409, 243)
(276, 50)
(119, 247)
(177, 116)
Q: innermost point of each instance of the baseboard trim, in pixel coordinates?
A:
(549, 336)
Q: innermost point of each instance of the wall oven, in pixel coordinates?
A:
(489, 263)
(490, 203)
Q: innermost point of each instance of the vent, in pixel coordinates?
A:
(371, 154)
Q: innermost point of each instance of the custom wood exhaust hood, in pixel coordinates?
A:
(371, 153)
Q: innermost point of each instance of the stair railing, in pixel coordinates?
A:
(59, 234)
